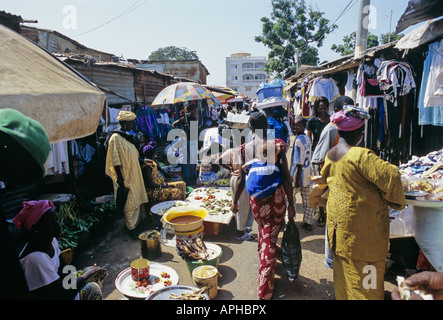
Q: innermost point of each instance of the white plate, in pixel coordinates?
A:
(128, 287)
(161, 208)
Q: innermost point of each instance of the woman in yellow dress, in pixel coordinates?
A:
(361, 187)
(157, 188)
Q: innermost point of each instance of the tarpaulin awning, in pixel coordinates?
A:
(424, 34)
(44, 88)
(419, 11)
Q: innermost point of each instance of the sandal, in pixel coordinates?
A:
(306, 226)
(321, 221)
(246, 237)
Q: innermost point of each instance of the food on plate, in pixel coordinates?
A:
(196, 295)
(167, 283)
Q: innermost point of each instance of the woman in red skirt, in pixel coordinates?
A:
(269, 211)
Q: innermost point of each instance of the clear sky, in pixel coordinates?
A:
(213, 28)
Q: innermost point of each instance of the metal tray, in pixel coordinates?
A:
(164, 293)
(415, 194)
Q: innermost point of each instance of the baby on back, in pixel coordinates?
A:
(262, 172)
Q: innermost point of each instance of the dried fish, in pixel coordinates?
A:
(196, 295)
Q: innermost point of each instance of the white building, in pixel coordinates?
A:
(245, 73)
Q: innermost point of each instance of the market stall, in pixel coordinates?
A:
(422, 179)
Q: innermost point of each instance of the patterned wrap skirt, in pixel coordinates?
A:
(269, 213)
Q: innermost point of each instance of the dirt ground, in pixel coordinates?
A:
(238, 266)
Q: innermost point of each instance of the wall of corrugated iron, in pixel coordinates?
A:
(149, 83)
(115, 78)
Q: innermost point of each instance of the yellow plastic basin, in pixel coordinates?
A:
(185, 219)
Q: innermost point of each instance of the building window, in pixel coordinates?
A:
(260, 77)
(234, 66)
(234, 78)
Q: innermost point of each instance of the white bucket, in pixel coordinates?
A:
(206, 276)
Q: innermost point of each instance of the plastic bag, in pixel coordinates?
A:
(291, 251)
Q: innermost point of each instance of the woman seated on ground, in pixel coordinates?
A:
(155, 182)
(40, 258)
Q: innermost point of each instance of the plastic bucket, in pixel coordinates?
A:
(180, 237)
(206, 276)
(214, 250)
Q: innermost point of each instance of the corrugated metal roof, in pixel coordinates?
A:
(120, 80)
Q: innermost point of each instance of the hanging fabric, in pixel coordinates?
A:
(429, 115)
(396, 79)
(147, 122)
(367, 81)
(324, 86)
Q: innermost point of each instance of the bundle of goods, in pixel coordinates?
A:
(424, 174)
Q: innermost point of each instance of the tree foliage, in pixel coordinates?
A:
(293, 33)
(172, 53)
(348, 46)
(394, 37)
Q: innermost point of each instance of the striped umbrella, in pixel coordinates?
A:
(183, 92)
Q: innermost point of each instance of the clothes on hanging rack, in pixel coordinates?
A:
(367, 81)
(58, 161)
(350, 83)
(147, 122)
(430, 115)
(434, 88)
(323, 87)
(395, 79)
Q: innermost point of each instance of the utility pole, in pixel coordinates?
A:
(390, 22)
(361, 39)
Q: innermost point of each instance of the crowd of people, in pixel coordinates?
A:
(264, 185)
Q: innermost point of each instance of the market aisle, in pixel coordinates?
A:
(238, 264)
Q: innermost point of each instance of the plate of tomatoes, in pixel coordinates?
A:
(160, 276)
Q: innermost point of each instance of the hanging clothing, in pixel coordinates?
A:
(395, 79)
(434, 88)
(147, 122)
(350, 84)
(430, 115)
(324, 87)
(367, 81)
(58, 162)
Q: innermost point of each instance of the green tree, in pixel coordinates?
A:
(293, 33)
(348, 46)
(172, 53)
(394, 37)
